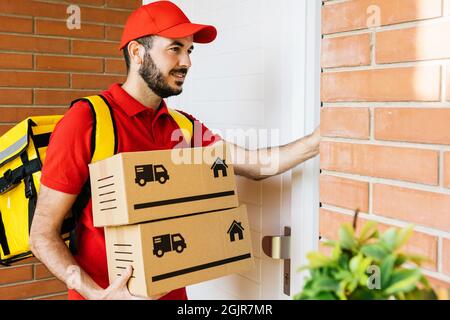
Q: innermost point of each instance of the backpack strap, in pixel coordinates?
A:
(185, 124)
(104, 144)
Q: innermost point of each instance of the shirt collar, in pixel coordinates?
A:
(131, 106)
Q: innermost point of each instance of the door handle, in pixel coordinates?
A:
(279, 248)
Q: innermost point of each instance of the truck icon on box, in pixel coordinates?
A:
(150, 173)
(167, 243)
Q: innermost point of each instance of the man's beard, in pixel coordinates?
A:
(155, 79)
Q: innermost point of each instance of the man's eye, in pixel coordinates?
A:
(176, 49)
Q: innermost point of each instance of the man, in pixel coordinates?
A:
(157, 42)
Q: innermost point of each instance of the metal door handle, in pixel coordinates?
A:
(279, 247)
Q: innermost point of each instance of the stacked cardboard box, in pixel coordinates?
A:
(173, 215)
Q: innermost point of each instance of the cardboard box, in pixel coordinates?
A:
(174, 252)
(130, 188)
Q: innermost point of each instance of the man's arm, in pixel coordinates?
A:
(263, 163)
(47, 245)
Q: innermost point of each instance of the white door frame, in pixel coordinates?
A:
(305, 182)
(304, 117)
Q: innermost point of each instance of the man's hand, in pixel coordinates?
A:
(315, 139)
(118, 290)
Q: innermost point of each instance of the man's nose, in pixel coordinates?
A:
(186, 61)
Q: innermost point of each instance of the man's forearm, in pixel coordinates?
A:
(263, 163)
(51, 250)
(297, 152)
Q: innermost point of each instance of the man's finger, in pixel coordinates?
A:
(123, 279)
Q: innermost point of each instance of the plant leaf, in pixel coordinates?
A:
(368, 231)
(386, 269)
(403, 236)
(403, 281)
(347, 237)
(375, 251)
(318, 259)
(389, 239)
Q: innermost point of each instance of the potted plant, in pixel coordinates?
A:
(366, 266)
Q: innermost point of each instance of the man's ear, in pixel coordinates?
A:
(136, 51)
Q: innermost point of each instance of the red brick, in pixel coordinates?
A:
(4, 128)
(345, 122)
(448, 82)
(109, 49)
(421, 125)
(17, 25)
(33, 79)
(16, 96)
(346, 51)
(407, 164)
(16, 61)
(32, 289)
(41, 272)
(423, 208)
(125, 4)
(33, 44)
(113, 33)
(393, 84)
(344, 193)
(61, 63)
(89, 2)
(419, 243)
(19, 114)
(446, 256)
(16, 274)
(59, 28)
(116, 66)
(353, 15)
(86, 81)
(60, 97)
(59, 11)
(440, 286)
(413, 44)
(111, 16)
(447, 169)
(34, 8)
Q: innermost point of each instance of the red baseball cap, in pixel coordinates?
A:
(164, 18)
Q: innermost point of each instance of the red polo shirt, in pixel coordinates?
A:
(66, 164)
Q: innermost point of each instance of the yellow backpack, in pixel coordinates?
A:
(22, 153)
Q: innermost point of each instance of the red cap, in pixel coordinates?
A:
(163, 18)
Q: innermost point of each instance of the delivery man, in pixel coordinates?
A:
(157, 42)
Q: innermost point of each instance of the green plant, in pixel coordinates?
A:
(365, 267)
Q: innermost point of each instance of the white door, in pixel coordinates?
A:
(257, 79)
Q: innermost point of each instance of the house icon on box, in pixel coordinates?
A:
(219, 165)
(236, 228)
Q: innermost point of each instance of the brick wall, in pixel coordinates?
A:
(43, 66)
(386, 116)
